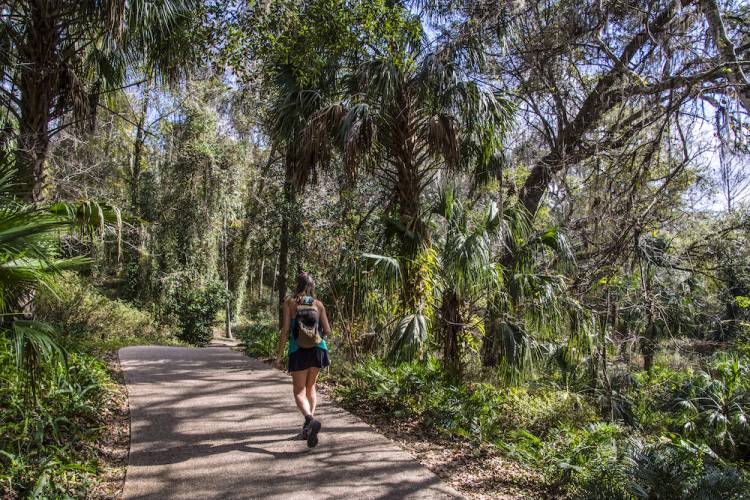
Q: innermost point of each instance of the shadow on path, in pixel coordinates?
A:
(212, 423)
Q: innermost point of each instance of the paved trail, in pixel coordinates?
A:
(212, 423)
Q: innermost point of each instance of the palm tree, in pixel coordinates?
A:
(60, 55)
(466, 272)
(290, 116)
(408, 117)
(533, 311)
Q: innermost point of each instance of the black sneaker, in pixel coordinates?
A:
(305, 430)
(312, 436)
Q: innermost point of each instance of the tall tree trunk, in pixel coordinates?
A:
(612, 321)
(260, 276)
(450, 313)
(240, 275)
(290, 228)
(648, 343)
(283, 259)
(489, 343)
(225, 269)
(38, 85)
(273, 281)
(412, 230)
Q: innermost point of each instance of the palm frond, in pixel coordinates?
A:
(408, 338)
(34, 349)
(384, 269)
(357, 132)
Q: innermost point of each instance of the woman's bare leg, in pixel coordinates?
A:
(312, 397)
(299, 379)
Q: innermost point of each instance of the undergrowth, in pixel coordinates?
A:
(48, 437)
(557, 432)
(88, 320)
(259, 339)
(47, 441)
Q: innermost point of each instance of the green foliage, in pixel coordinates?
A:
(714, 406)
(194, 305)
(89, 320)
(681, 469)
(606, 461)
(260, 340)
(45, 447)
(309, 37)
(555, 432)
(709, 406)
(31, 261)
(482, 412)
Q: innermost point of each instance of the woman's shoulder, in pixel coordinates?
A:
(318, 304)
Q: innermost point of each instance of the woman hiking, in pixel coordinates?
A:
(305, 325)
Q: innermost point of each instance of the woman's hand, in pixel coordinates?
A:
(277, 363)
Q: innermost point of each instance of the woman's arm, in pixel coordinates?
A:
(283, 335)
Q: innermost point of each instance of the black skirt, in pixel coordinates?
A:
(302, 359)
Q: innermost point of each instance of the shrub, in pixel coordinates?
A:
(260, 340)
(481, 412)
(681, 469)
(89, 319)
(194, 305)
(714, 406)
(408, 389)
(553, 431)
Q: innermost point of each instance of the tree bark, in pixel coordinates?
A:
(489, 343)
(260, 276)
(452, 328)
(273, 281)
(648, 343)
(407, 192)
(38, 84)
(225, 268)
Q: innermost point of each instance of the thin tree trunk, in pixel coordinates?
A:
(273, 281)
(135, 168)
(250, 287)
(225, 265)
(260, 276)
(612, 320)
(282, 262)
(648, 345)
(290, 201)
